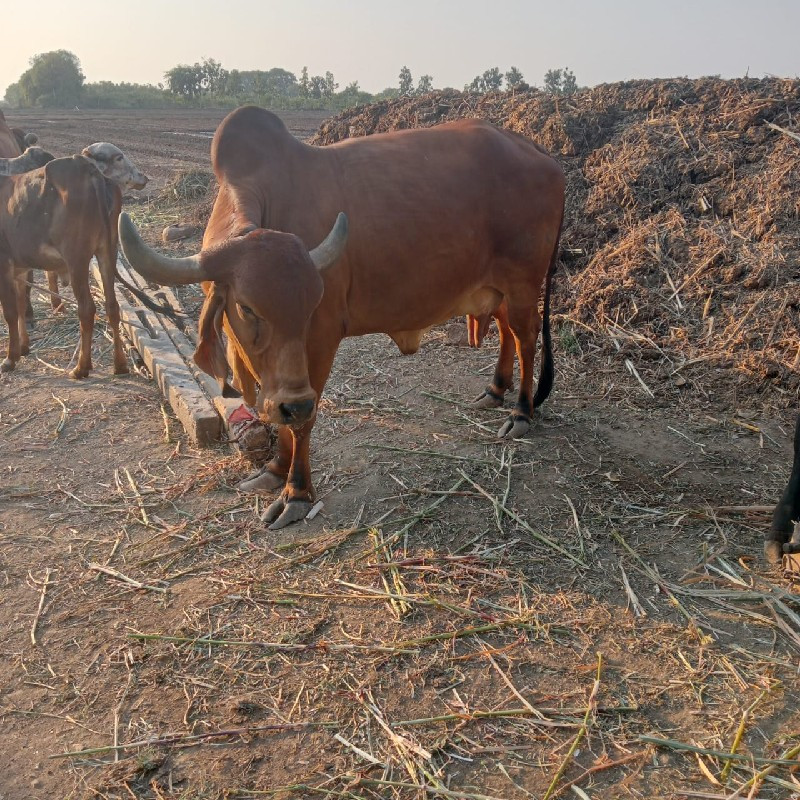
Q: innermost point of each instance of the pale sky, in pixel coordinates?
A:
(370, 40)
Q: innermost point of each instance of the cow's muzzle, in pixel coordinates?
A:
(296, 413)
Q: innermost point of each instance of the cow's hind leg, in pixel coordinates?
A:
(524, 323)
(503, 380)
(56, 300)
(86, 314)
(107, 265)
(30, 320)
(22, 301)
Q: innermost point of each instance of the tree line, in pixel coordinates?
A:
(55, 79)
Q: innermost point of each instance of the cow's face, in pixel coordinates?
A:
(115, 165)
(268, 288)
(266, 285)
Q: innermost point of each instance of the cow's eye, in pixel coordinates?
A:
(246, 310)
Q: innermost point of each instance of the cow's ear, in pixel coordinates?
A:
(98, 163)
(243, 379)
(210, 352)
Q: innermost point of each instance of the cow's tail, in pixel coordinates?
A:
(547, 373)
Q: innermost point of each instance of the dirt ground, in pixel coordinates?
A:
(465, 618)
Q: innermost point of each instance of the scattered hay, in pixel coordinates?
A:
(191, 184)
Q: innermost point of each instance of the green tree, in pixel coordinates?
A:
(317, 88)
(206, 78)
(14, 96)
(492, 79)
(212, 76)
(424, 84)
(185, 80)
(54, 79)
(305, 83)
(389, 93)
(515, 80)
(231, 85)
(330, 85)
(560, 81)
(406, 82)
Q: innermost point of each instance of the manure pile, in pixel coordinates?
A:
(681, 246)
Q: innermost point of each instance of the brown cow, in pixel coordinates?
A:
(56, 218)
(116, 167)
(13, 141)
(444, 221)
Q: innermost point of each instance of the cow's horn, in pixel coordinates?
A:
(325, 253)
(152, 265)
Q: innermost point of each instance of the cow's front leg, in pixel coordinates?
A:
(8, 300)
(275, 473)
(297, 497)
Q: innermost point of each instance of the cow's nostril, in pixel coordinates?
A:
(301, 410)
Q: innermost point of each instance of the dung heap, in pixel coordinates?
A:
(681, 246)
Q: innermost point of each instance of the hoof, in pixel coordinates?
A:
(514, 428)
(773, 552)
(122, 369)
(264, 481)
(282, 513)
(7, 365)
(487, 400)
(79, 373)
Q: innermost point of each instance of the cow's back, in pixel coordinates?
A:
(461, 185)
(62, 203)
(273, 180)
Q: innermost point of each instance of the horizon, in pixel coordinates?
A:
(452, 42)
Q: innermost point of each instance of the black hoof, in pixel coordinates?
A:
(282, 512)
(515, 427)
